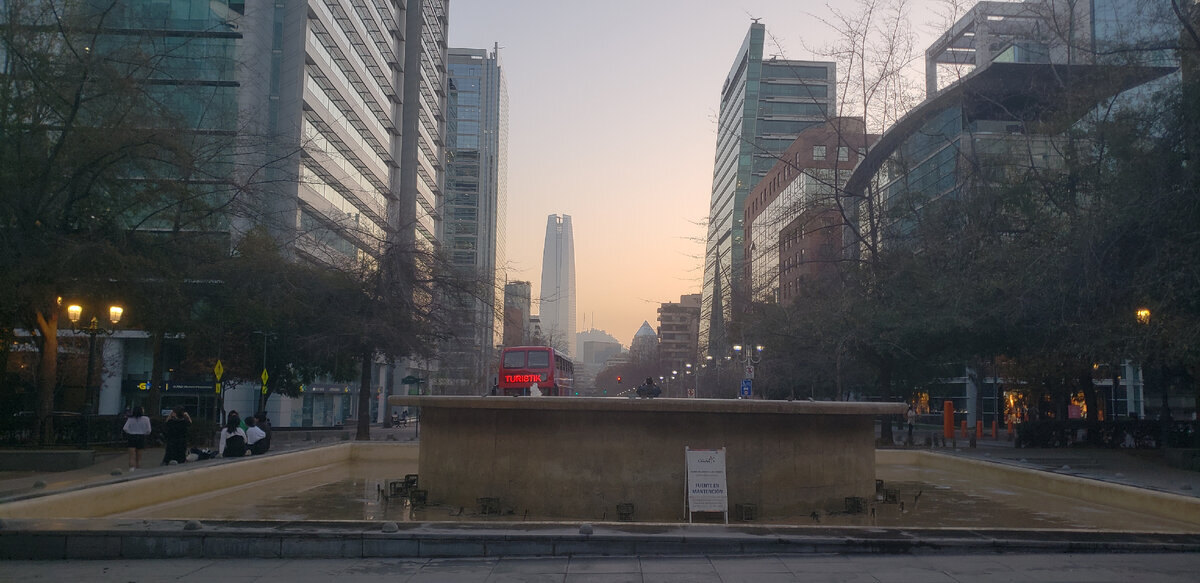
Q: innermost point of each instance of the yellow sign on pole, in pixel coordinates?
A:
(217, 387)
(264, 378)
(218, 369)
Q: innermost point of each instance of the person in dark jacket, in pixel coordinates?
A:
(175, 433)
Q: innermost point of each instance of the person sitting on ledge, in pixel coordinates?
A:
(232, 442)
(256, 438)
(648, 390)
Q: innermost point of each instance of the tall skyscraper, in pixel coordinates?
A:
(473, 225)
(335, 110)
(349, 102)
(764, 106)
(557, 307)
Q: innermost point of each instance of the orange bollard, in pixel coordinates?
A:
(964, 429)
(978, 430)
(995, 429)
(948, 419)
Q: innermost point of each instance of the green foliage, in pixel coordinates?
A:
(1042, 266)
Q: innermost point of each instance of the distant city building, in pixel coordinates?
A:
(644, 348)
(557, 302)
(765, 104)
(679, 333)
(473, 220)
(596, 347)
(518, 302)
(535, 330)
(794, 228)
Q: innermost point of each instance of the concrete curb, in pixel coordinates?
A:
(56, 540)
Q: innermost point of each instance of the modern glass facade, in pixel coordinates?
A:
(319, 128)
(184, 56)
(764, 106)
(474, 221)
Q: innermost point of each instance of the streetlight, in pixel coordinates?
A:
(1143, 317)
(747, 358)
(93, 329)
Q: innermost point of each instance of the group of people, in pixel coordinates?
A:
(249, 437)
(238, 437)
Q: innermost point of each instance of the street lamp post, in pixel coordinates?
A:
(1164, 415)
(747, 358)
(93, 329)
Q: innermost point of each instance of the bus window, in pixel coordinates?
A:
(539, 359)
(514, 359)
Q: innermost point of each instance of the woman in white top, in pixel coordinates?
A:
(137, 427)
(235, 447)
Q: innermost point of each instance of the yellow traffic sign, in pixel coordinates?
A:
(218, 369)
(217, 387)
(264, 376)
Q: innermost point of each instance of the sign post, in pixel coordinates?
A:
(707, 489)
(746, 388)
(218, 370)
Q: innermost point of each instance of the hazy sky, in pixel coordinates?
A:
(612, 120)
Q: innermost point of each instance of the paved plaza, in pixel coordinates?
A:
(982, 568)
(1033, 562)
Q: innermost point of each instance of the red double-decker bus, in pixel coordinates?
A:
(522, 367)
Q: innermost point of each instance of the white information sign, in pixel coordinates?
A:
(706, 481)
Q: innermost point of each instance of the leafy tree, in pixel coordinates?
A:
(89, 155)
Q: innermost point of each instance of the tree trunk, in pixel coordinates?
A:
(1092, 419)
(885, 391)
(1089, 394)
(364, 398)
(47, 324)
(391, 383)
(154, 398)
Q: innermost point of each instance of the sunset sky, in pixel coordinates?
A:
(612, 120)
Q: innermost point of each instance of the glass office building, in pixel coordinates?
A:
(474, 218)
(765, 104)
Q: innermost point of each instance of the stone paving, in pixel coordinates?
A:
(989, 568)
